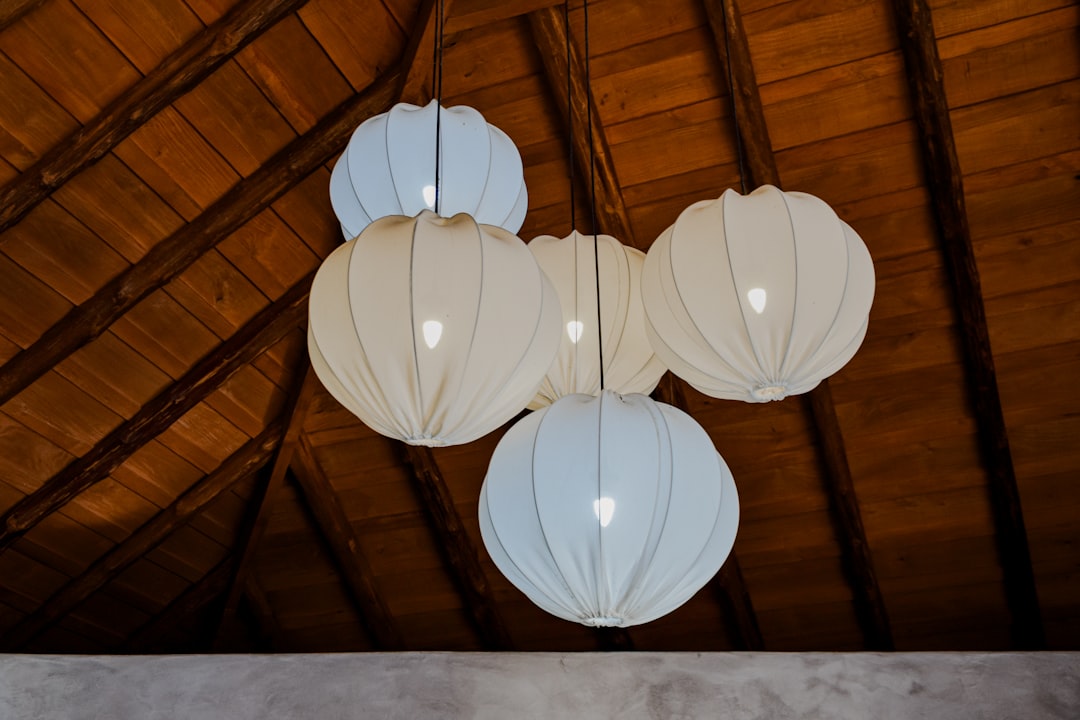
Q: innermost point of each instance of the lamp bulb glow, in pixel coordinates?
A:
(756, 296)
(604, 509)
(574, 328)
(432, 333)
(429, 196)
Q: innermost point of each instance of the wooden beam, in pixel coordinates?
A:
(944, 176)
(238, 466)
(548, 27)
(729, 37)
(345, 546)
(457, 547)
(11, 11)
(734, 55)
(181, 71)
(296, 408)
(180, 610)
(254, 338)
(172, 256)
(416, 83)
(730, 589)
(844, 507)
(471, 14)
(262, 613)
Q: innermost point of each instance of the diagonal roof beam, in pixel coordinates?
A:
(458, 548)
(944, 176)
(734, 55)
(186, 605)
(153, 418)
(416, 84)
(238, 466)
(345, 546)
(11, 11)
(172, 256)
(548, 27)
(181, 71)
(262, 501)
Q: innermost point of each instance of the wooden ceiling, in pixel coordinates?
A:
(174, 479)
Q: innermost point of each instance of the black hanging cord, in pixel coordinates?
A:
(436, 91)
(734, 107)
(570, 116)
(592, 193)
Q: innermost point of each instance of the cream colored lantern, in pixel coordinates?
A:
(630, 365)
(432, 330)
(759, 297)
(388, 168)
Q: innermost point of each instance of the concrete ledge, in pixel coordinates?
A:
(957, 686)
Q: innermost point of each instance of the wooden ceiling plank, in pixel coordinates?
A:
(730, 587)
(185, 606)
(176, 253)
(420, 51)
(11, 11)
(548, 26)
(734, 56)
(454, 541)
(944, 176)
(262, 502)
(176, 75)
(339, 534)
(238, 466)
(157, 415)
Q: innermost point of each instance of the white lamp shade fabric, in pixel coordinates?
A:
(757, 297)
(630, 365)
(608, 511)
(388, 168)
(432, 330)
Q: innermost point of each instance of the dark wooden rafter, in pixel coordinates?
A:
(176, 253)
(266, 629)
(11, 11)
(238, 466)
(176, 75)
(728, 584)
(548, 27)
(153, 418)
(179, 611)
(457, 547)
(416, 83)
(942, 167)
(734, 55)
(295, 411)
(334, 525)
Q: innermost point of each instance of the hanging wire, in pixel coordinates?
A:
(436, 91)
(592, 192)
(734, 106)
(570, 116)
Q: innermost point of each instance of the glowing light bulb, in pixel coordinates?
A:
(574, 328)
(756, 296)
(604, 509)
(432, 332)
(429, 196)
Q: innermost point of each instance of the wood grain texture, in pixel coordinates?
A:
(253, 455)
(181, 71)
(944, 176)
(460, 551)
(12, 10)
(548, 27)
(343, 541)
(157, 415)
(176, 253)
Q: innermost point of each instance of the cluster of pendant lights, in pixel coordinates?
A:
(435, 324)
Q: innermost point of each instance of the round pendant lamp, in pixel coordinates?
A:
(630, 365)
(432, 330)
(388, 168)
(757, 297)
(608, 511)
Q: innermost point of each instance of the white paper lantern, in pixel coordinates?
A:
(608, 511)
(630, 365)
(432, 330)
(388, 168)
(758, 297)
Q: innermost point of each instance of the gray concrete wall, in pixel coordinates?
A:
(951, 686)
